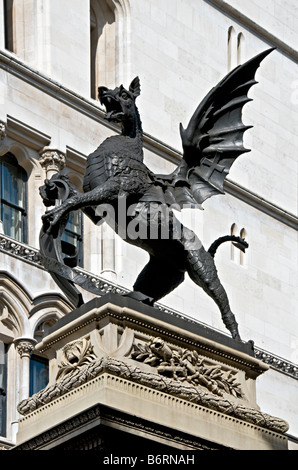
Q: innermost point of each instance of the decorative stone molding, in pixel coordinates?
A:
(187, 366)
(52, 160)
(9, 318)
(20, 250)
(2, 131)
(277, 363)
(75, 356)
(23, 133)
(25, 346)
(115, 367)
(115, 419)
(104, 354)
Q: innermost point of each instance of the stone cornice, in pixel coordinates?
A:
(261, 204)
(25, 134)
(91, 109)
(111, 417)
(107, 368)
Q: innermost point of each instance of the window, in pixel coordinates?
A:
(13, 198)
(243, 235)
(240, 48)
(93, 47)
(72, 241)
(231, 48)
(233, 248)
(39, 374)
(102, 45)
(237, 255)
(235, 48)
(3, 382)
(8, 25)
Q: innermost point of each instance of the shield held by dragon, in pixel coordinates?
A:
(115, 171)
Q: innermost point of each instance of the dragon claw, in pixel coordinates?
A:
(50, 220)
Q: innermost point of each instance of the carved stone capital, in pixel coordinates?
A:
(52, 159)
(25, 346)
(2, 131)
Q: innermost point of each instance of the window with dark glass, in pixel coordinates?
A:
(13, 214)
(8, 25)
(102, 44)
(72, 241)
(39, 374)
(3, 386)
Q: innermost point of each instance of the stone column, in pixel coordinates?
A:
(52, 161)
(108, 269)
(25, 348)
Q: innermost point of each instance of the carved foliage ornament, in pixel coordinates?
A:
(52, 158)
(75, 356)
(25, 347)
(186, 366)
(179, 364)
(82, 374)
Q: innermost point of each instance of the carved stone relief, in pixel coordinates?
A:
(205, 385)
(187, 366)
(25, 347)
(75, 355)
(52, 161)
(115, 341)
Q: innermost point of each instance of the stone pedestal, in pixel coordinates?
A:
(125, 376)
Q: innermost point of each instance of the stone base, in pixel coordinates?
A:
(119, 366)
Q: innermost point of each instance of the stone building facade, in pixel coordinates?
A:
(53, 55)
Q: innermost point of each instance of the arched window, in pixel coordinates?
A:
(13, 198)
(235, 48)
(240, 48)
(233, 249)
(102, 44)
(237, 255)
(243, 235)
(231, 48)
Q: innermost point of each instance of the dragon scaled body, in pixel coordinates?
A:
(116, 172)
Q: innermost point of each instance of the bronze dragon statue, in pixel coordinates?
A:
(141, 202)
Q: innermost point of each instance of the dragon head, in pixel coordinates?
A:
(120, 103)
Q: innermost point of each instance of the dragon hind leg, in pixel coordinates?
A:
(202, 270)
(158, 278)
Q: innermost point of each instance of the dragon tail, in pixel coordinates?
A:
(238, 242)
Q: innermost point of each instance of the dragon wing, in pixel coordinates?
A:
(213, 138)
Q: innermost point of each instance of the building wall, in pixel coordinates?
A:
(180, 49)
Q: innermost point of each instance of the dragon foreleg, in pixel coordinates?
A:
(108, 192)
